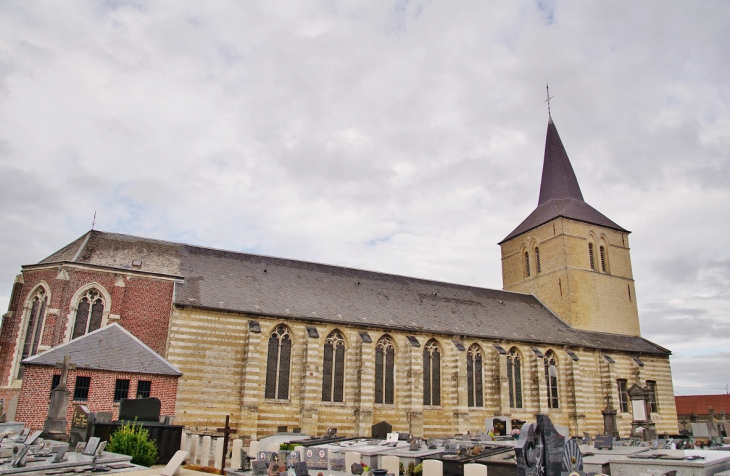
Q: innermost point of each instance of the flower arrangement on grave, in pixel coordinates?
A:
(515, 433)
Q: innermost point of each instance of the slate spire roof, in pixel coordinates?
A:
(110, 348)
(560, 194)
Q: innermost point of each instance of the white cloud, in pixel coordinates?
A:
(403, 136)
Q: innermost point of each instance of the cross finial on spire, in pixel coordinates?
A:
(93, 223)
(547, 87)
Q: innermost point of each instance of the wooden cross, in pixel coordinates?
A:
(65, 365)
(226, 430)
(549, 97)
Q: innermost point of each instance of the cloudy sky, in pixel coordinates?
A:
(397, 136)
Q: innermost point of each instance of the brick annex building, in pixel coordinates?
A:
(276, 342)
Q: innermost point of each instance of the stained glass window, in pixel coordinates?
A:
(551, 379)
(89, 312)
(514, 378)
(278, 363)
(431, 373)
(385, 371)
(333, 368)
(474, 378)
(34, 328)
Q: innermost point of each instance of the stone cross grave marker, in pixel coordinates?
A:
(55, 424)
(226, 430)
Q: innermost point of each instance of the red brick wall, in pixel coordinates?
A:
(144, 305)
(36, 390)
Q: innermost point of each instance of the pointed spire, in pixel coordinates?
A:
(558, 178)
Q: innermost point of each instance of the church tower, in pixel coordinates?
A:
(569, 255)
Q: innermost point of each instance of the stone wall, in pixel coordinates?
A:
(224, 368)
(585, 298)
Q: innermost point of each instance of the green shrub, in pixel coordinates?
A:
(133, 440)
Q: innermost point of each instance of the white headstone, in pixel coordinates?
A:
(254, 448)
(194, 448)
(205, 451)
(236, 453)
(472, 469)
(218, 452)
(391, 463)
(433, 467)
(352, 457)
(173, 466)
(504, 420)
(300, 449)
(273, 447)
(184, 442)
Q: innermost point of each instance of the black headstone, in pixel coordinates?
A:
(554, 445)
(141, 409)
(603, 442)
(381, 430)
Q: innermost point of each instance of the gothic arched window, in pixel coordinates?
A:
(604, 265)
(89, 312)
(431, 373)
(551, 379)
(538, 268)
(34, 327)
(527, 264)
(278, 363)
(591, 257)
(514, 377)
(474, 380)
(333, 368)
(385, 371)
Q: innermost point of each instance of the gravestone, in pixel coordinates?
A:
(79, 424)
(337, 464)
(55, 425)
(381, 430)
(603, 442)
(140, 409)
(540, 449)
(572, 458)
(610, 425)
(700, 430)
(499, 425)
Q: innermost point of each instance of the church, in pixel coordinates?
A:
(283, 344)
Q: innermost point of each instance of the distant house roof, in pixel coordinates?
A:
(560, 194)
(699, 404)
(281, 288)
(110, 348)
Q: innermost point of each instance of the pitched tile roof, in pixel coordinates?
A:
(267, 286)
(111, 348)
(698, 404)
(560, 194)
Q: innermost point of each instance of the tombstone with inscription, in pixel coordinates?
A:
(80, 424)
(140, 409)
(642, 424)
(499, 425)
(381, 430)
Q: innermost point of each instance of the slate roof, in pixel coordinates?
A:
(110, 348)
(276, 287)
(560, 194)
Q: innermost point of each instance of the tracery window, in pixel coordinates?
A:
(385, 371)
(431, 373)
(527, 264)
(89, 312)
(333, 368)
(34, 327)
(474, 377)
(591, 257)
(538, 268)
(278, 363)
(514, 377)
(551, 379)
(602, 252)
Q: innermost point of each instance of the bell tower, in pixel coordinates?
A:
(569, 255)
